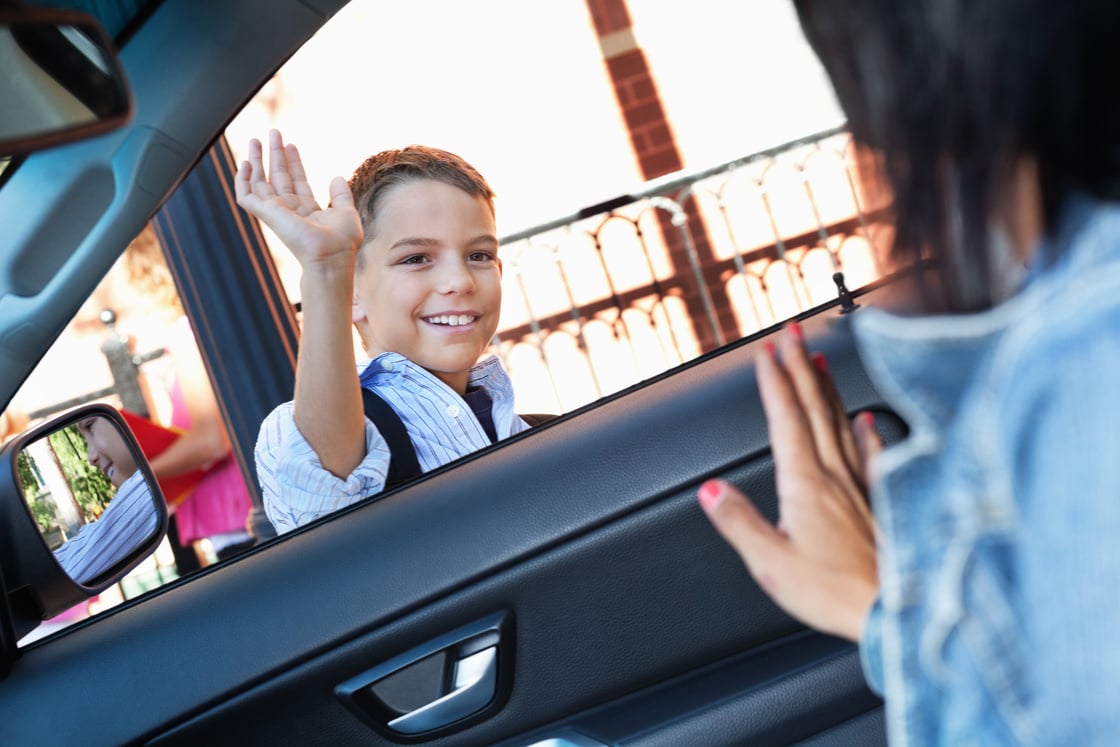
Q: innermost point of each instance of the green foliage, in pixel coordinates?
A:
(41, 509)
(92, 490)
(28, 480)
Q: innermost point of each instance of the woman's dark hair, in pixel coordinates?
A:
(950, 93)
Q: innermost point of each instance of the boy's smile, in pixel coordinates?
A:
(428, 281)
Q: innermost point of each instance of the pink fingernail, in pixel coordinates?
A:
(868, 418)
(820, 362)
(710, 494)
(795, 330)
(770, 348)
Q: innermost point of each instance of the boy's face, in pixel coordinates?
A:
(107, 449)
(429, 286)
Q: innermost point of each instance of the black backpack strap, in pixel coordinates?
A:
(536, 418)
(403, 464)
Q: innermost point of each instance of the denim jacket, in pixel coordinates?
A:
(998, 618)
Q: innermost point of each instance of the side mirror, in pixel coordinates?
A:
(62, 80)
(79, 508)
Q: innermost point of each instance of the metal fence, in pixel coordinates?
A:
(624, 290)
(124, 366)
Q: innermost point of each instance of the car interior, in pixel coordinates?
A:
(561, 588)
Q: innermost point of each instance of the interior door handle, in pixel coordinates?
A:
(476, 681)
(413, 694)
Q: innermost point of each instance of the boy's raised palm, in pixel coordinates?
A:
(285, 203)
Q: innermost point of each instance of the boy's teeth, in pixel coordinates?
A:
(452, 320)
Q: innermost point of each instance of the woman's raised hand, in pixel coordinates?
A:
(819, 562)
(284, 202)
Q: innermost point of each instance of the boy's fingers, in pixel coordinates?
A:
(762, 547)
(341, 196)
(256, 164)
(278, 163)
(297, 172)
(241, 186)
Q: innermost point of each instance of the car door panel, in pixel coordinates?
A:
(586, 532)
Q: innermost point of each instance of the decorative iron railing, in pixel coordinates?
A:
(623, 290)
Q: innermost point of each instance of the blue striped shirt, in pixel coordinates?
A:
(130, 519)
(441, 425)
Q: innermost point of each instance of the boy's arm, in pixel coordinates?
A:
(328, 404)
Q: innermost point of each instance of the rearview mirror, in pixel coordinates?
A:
(62, 80)
(79, 508)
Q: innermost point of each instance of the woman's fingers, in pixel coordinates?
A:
(848, 447)
(868, 441)
(834, 444)
(843, 455)
(830, 593)
(819, 563)
(791, 435)
(820, 409)
(763, 548)
(799, 473)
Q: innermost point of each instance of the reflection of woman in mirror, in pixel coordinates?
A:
(131, 517)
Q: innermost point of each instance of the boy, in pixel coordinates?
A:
(129, 520)
(407, 253)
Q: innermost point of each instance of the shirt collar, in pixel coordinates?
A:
(486, 373)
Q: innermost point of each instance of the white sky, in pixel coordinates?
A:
(519, 89)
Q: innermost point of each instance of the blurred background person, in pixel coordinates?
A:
(211, 519)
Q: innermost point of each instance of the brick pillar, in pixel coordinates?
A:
(656, 148)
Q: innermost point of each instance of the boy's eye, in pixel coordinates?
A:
(414, 259)
(481, 257)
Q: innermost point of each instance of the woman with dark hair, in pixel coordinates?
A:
(981, 589)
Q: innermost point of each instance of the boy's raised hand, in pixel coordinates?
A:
(325, 241)
(284, 202)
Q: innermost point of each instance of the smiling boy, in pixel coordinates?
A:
(130, 518)
(406, 252)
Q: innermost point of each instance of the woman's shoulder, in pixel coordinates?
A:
(1062, 352)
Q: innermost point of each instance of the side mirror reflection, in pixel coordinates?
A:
(92, 504)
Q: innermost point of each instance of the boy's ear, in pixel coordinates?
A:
(499, 260)
(357, 311)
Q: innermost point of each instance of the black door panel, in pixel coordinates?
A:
(630, 617)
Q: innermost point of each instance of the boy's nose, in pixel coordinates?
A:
(457, 278)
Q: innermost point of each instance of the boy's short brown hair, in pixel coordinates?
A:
(389, 168)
